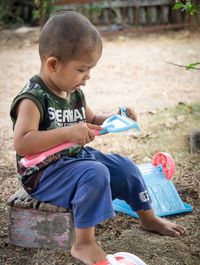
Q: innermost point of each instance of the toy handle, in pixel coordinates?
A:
(166, 161)
(29, 161)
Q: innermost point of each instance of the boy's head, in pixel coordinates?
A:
(68, 36)
(69, 47)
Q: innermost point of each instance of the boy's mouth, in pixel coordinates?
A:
(79, 85)
(82, 84)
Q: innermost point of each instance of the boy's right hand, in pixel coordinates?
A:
(83, 133)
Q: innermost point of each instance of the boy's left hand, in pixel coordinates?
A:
(130, 112)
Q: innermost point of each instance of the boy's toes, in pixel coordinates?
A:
(175, 230)
(180, 229)
(173, 233)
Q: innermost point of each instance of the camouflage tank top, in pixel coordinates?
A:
(54, 112)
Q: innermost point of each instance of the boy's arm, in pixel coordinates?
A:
(28, 140)
(96, 119)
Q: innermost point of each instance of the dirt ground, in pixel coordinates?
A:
(133, 71)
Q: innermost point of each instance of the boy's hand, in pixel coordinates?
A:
(130, 112)
(94, 127)
(82, 133)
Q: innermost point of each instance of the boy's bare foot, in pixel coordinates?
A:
(151, 222)
(163, 226)
(88, 253)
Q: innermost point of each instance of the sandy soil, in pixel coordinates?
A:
(131, 72)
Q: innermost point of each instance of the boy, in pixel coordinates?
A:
(51, 110)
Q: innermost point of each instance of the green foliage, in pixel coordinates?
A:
(192, 9)
(48, 8)
(95, 8)
(196, 108)
(187, 6)
(9, 12)
(192, 66)
(182, 108)
(3, 11)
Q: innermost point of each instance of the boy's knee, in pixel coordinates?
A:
(99, 174)
(129, 168)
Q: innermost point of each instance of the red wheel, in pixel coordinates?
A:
(166, 161)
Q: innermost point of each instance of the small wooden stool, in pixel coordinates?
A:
(35, 224)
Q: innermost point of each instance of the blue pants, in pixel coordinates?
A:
(89, 182)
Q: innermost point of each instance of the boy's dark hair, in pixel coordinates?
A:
(67, 36)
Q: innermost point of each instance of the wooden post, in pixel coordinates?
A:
(94, 13)
(106, 19)
(152, 15)
(118, 15)
(165, 14)
(41, 11)
(131, 16)
(142, 18)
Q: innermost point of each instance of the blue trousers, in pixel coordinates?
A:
(89, 182)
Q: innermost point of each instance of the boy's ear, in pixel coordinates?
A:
(52, 64)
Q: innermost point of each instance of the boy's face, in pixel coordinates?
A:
(70, 76)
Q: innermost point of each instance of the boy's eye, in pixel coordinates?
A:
(81, 70)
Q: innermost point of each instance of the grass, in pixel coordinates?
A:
(166, 130)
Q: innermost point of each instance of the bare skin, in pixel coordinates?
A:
(85, 248)
(150, 222)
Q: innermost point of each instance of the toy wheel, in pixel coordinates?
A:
(167, 163)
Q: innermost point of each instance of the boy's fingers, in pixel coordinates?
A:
(88, 138)
(131, 114)
(91, 135)
(94, 127)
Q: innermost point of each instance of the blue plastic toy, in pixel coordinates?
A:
(165, 198)
(118, 123)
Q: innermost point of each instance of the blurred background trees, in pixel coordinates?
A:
(128, 13)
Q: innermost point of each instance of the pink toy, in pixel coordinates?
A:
(121, 258)
(29, 161)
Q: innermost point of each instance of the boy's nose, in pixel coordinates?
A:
(87, 76)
